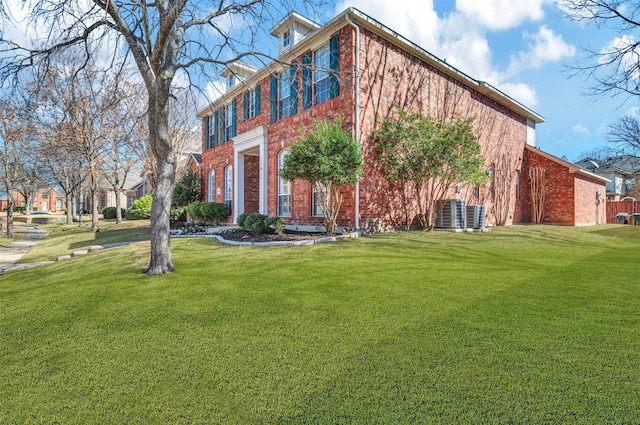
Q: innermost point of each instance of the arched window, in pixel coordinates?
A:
(228, 185)
(284, 189)
(211, 186)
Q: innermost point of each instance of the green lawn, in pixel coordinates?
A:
(526, 324)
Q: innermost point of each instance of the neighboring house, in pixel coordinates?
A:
(47, 200)
(107, 196)
(190, 154)
(574, 196)
(356, 68)
(623, 173)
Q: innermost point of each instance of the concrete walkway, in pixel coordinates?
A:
(11, 253)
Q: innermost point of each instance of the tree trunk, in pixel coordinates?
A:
(95, 226)
(161, 261)
(10, 213)
(118, 210)
(69, 201)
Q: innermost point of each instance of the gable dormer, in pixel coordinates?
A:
(236, 73)
(292, 29)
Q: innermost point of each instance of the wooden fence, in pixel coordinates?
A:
(615, 207)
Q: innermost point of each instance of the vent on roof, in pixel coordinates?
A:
(451, 214)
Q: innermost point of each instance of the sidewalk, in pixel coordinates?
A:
(11, 253)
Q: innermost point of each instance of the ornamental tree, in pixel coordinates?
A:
(430, 157)
(328, 158)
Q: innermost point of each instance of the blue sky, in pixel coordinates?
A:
(519, 47)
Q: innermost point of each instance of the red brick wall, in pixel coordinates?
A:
(252, 184)
(392, 79)
(570, 199)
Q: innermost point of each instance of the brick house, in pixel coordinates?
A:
(356, 68)
(574, 196)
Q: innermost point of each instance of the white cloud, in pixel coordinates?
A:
(521, 92)
(545, 47)
(580, 130)
(501, 14)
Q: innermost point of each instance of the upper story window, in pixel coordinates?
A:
(286, 93)
(321, 69)
(231, 80)
(228, 122)
(252, 103)
(286, 38)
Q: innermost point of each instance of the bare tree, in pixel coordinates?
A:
(164, 38)
(14, 141)
(625, 134)
(615, 69)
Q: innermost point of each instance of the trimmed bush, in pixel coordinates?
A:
(194, 210)
(214, 211)
(256, 223)
(277, 223)
(178, 214)
(109, 213)
(141, 208)
(241, 218)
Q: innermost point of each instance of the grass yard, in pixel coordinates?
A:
(525, 324)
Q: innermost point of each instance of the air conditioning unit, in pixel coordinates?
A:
(451, 214)
(476, 216)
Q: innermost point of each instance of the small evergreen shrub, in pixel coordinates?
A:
(109, 213)
(141, 208)
(178, 214)
(256, 223)
(277, 223)
(194, 211)
(214, 211)
(241, 218)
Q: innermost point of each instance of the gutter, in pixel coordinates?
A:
(356, 109)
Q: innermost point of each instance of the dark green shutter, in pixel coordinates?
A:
(306, 80)
(215, 129)
(293, 75)
(257, 100)
(233, 107)
(334, 64)
(274, 98)
(206, 133)
(246, 105)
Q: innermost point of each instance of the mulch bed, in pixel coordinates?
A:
(244, 236)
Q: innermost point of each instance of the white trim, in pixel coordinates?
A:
(252, 141)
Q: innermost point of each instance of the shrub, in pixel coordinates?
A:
(278, 224)
(109, 213)
(194, 210)
(214, 211)
(256, 223)
(241, 218)
(188, 189)
(141, 208)
(178, 214)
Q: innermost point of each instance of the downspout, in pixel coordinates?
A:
(356, 109)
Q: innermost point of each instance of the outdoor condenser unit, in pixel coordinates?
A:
(476, 217)
(451, 214)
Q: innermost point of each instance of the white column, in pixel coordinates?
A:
(238, 185)
(264, 151)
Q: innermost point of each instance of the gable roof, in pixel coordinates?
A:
(573, 168)
(621, 164)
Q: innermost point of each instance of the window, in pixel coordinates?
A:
(284, 94)
(286, 38)
(228, 185)
(251, 101)
(318, 197)
(211, 186)
(321, 82)
(213, 121)
(231, 80)
(517, 184)
(284, 189)
(228, 122)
